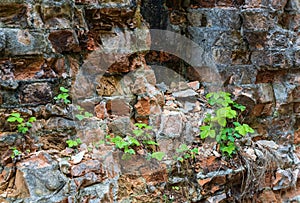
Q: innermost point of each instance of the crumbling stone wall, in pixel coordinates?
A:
(99, 50)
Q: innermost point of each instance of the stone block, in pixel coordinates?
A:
(230, 39)
(271, 59)
(215, 3)
(256, 40)
(239, 74)
(204, 36)
(101, 111)
(36, 93)
(221, 18)
(120, 125)
(13, 14)
(119, 107)
(279, 40)
(265, 93)
(24, 42)
(172, 124)
(109, 86)
(292, 5)
(222, 56)
(142, 107)
(42, 177)
(57, 14)
(257, 20)
(64, 41)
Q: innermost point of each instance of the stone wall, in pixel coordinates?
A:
(152, 61)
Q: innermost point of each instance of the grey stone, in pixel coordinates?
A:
(268, 144)
(36, 93)
(265, 93)
(9, 84)
(220, 18)
(120, 125)
(24, 42)
(217, 198)
(171, 124)
(42, 178)
(285, 178)
(175, 180)
(2, 40)
(185, 93)
(77, 158)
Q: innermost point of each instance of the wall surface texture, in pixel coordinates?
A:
(151, 61)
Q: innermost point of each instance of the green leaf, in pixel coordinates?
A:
(140, 125)
(180, 159)
(17, 115)
(79, 108)
(231, 138)
(209, 95)
(28, 124)
(79, 117)
(66, 101)
(195, 150)
(158, 155)
(20, 120)
(71, 143)
(244, 129)
(207, 118)
(23, 130)
(12, 119)
(62, 89)
(230, 148)
(78, 140)
(212, 133)
(129, 151)
(222, 122)
(133, 141)
(32, 119)
(237, 135)
(236, 124)
(87, 114)
(218, 138)
(182, 148)
(150, 142)
(137, 132)
(239, 106)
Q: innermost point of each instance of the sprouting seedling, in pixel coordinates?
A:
(63, 95)
(82, 114)
(185, 153)
(23, 126)
(74, 143)
(140, 137)
(15, 152)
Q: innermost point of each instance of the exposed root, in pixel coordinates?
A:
(255, 171)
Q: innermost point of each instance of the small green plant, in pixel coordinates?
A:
(176, 188)
(223, 124)
(15, 152)
(74, 143)
(63, 96)
(140, 137)
(185, 153)
(82, 114)
(23, 126)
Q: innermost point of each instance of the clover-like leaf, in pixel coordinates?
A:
(158, 155)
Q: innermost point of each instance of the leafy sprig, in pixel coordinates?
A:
(223, 125)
